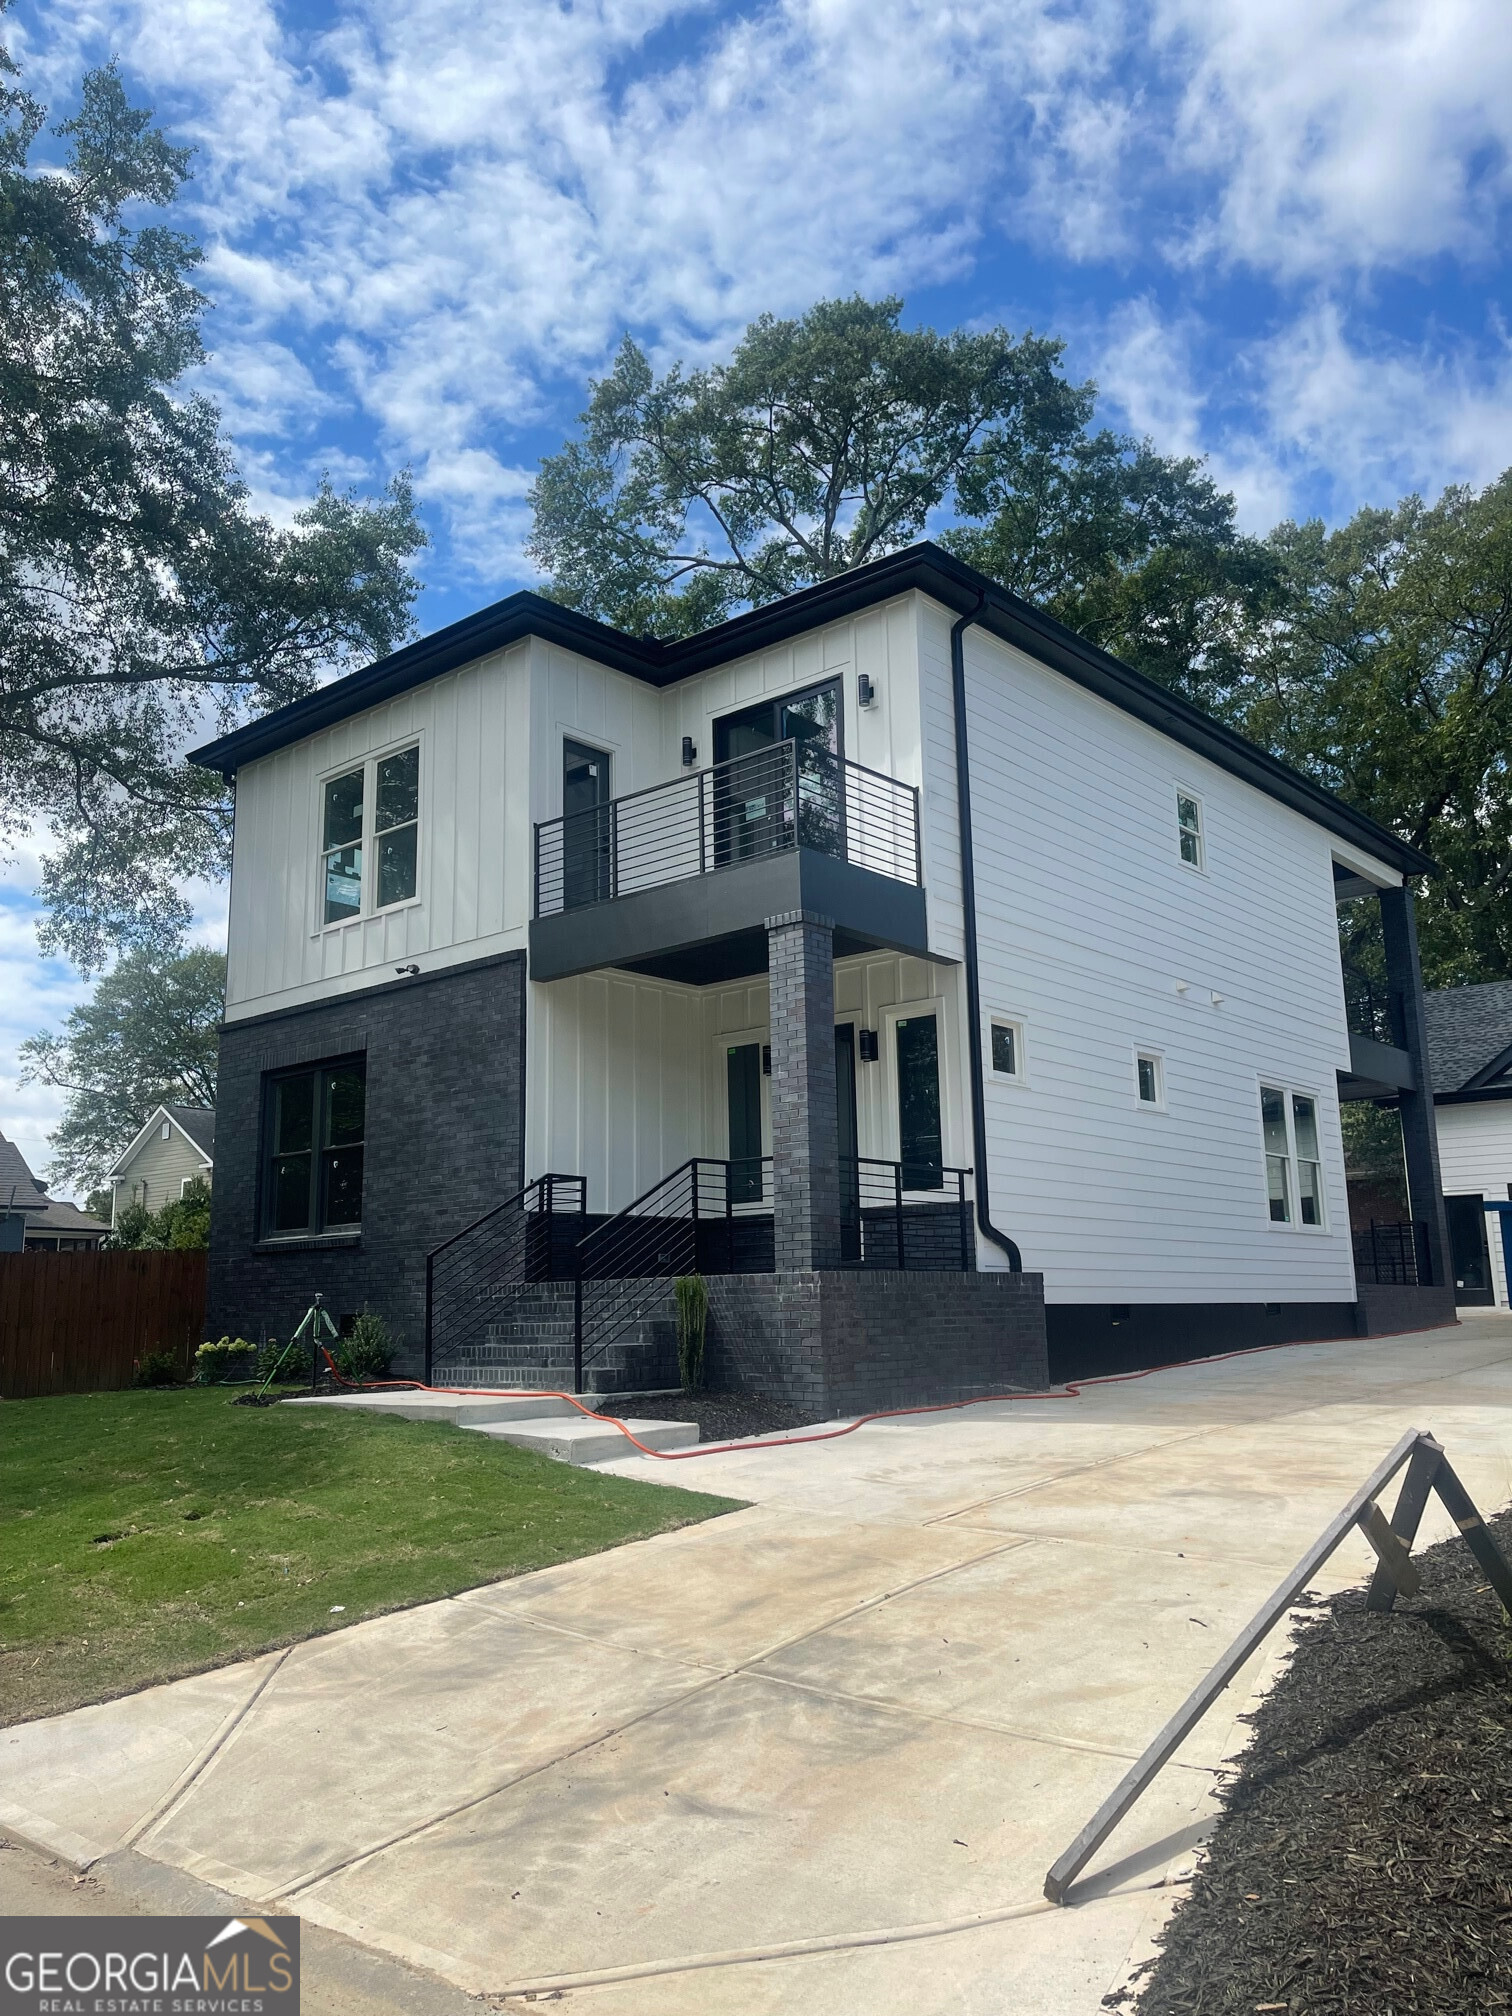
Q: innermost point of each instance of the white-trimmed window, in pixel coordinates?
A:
(1007, 1047)
(1149, 1080)
(1293, 1157)
(1189, 831)
(370, 836)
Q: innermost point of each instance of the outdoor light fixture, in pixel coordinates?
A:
(690, 753)
(868, 1046)
(766, 1060)
(407, 972)
(866, 693)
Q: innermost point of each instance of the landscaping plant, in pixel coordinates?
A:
(691, 1293)
(367, 1350)
(227, 1358)
(159, 1368)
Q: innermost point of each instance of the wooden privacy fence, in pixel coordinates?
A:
(79, 1322)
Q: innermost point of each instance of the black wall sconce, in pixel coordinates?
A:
(866, 693)
(690, 753)
(766, 1060)
(868, 1046)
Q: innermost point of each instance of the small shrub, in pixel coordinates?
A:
(367, 1350)
(691, 1294)
(295, 1364)
(226, 1359)
(158, 1368)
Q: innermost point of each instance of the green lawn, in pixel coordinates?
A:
(149, 1534)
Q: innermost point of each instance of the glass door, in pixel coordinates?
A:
(753, 813)
(1469, 1250)
(920, 1139)
(743, 1087)
(587, 837)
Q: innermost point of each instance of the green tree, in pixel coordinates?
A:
(142, 602)
(183, 1225)
(1386, 673)
(832, 439)
(148, 1036)
(1137, 551)
(823, 443)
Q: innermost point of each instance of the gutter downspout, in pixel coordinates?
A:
(969, 919)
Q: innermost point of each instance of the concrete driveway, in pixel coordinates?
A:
(817, 1753)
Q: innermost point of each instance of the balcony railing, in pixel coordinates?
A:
(790, 795)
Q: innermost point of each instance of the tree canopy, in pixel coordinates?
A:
(143, 603)
(148, 1036)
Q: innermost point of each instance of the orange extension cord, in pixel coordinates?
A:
(1070, 1391)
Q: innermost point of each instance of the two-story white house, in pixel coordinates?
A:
(942, 990)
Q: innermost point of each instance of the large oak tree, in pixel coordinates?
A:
(143, 603)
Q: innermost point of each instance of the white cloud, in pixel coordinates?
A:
(1312, 416)
(1354, 134)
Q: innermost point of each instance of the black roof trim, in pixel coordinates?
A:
(925, 567)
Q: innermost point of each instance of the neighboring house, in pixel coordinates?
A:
(32, 1220)
(692, 927)
(1470, 1047)
(175, 1148)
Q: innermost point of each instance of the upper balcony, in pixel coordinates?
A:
(679, 880)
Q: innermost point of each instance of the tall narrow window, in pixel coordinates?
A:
(342, 843)
(1277, 1153)
(1309, 1161)
(1189, 828)
(398, 826)
(920, 1146)
(312, 1175)
(1149, 1079)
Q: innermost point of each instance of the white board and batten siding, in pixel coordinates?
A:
(473, 870)
(1475, 1159)
(1088, 923)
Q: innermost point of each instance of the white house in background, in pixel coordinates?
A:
(891, 927)
(1470, 1044)
(175, 1148)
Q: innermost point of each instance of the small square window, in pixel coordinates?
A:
(1189, 828)
(1149, 1079)
(1008, 1049)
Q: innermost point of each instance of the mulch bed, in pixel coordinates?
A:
(721, 1417)
(1362, 1865)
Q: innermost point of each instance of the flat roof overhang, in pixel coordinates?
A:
(712, 928)
(1376, 1070)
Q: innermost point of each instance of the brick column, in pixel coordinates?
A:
(805, 1123)
(1404, 979)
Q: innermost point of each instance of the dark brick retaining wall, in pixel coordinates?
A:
(445, 1141)
(845, 1343)
(1383, 1309)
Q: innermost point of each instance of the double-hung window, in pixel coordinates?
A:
(370, 826)
(312, 1164)
(1293, 1158)
(1189, 838)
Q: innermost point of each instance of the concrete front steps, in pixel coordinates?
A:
(554, 1428)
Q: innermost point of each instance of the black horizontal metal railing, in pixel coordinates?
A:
(532, 1236)
(1371, 1008)
(1393, 1255)
(710, 1216)
(886, 1222)
(792, 794)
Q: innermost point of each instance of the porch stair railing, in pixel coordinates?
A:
(532, 1236)
(1393, 1255)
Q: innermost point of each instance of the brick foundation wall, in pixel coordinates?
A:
(1384, 1309)
(842, 1342)
(445, 1141)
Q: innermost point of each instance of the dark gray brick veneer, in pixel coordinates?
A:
(445, 1141)
(845, 1343)
(805, 1125)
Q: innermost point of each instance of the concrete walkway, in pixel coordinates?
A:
(818, 1753)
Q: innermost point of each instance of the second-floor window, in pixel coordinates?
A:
(370, 826)
(1189, 828)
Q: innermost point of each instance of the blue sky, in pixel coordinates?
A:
(1275, 232)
